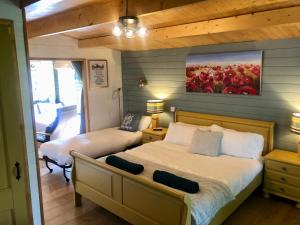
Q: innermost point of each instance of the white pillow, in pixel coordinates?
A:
(207, 128)
(144, 122)
(240, 144)
(217, 128)
(180, 134)
(206, 143)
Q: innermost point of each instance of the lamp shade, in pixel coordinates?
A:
(295, 124)
(155, 106)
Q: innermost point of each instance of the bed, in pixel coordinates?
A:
(93, 144)
(141, 201)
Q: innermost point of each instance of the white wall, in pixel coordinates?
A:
(103, 108)
(9, 9)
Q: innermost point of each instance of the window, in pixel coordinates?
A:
(42, 78)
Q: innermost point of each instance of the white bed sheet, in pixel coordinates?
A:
(236, 173)
(94, 144)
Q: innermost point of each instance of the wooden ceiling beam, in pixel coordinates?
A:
(211, 27)
(237, 23)
(25, 3)
(265, 33)
(96, 13)
(191, 13)
(75, 18)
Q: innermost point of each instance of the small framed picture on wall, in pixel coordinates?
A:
(98, 74)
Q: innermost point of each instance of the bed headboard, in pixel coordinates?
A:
(265, 128)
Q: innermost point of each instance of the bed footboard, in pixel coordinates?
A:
(136, 199)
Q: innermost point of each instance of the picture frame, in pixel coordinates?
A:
(234, 73)
(97, 73)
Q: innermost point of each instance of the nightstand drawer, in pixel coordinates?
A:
(146, 141)
(283, 178)
(151, 137)
(283, 189)
(283, 167)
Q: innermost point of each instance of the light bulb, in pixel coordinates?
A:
(117, 31)
(142, 31)
(129, 33)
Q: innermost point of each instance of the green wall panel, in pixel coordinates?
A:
(164, 70)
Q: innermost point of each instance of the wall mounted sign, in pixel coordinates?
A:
(225, 73)
(98, 73)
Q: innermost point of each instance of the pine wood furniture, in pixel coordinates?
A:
(150, 135)
(282, 175)
(142, 201)
(60, 195)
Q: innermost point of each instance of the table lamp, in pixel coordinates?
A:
(295, 126)
(155, 107)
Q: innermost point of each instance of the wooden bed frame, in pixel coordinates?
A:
(141, 201)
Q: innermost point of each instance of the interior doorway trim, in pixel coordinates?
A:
(85, 83)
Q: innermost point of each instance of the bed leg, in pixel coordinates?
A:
(266, 195)
(50, 170)
(65, 176)
(77, 199)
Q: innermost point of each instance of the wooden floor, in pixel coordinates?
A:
(59, 208)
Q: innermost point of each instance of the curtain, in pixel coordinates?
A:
(78, 65)
(56, 85)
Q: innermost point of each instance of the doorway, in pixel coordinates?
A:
(57, 90)
(59, 110)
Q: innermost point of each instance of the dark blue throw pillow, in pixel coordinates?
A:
(131, 122)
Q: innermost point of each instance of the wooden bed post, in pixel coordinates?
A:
(77, 196)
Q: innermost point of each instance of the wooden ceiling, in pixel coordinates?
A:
(37, 9)
(170, 23)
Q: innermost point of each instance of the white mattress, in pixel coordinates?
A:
(236, 173)
(94, 144)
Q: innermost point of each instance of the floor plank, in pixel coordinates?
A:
(59, 208)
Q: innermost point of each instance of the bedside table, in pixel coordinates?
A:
(282, 175)
(150, 135)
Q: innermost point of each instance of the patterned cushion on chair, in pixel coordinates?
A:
(42, 138)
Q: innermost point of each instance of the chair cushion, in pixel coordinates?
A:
(42, 138)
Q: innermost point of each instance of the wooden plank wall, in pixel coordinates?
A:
(165, 72)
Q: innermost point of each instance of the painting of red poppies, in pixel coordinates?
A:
(225, 73)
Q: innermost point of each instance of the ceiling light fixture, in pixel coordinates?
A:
(129, 26)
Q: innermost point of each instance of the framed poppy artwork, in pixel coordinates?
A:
(225, 73)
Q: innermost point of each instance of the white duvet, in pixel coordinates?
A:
(236, 173)
(94, 144)
(220, 178)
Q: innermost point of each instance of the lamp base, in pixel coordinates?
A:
(155, 121)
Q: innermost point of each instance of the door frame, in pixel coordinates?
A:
(84, 82)
(22, 151)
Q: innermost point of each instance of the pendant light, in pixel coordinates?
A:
(128, 26)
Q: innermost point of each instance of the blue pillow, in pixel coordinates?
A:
(131, 122)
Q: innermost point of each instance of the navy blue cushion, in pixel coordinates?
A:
(131, 122)
(123, 164)
(176, 182)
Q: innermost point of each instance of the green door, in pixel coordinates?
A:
(14, 199)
